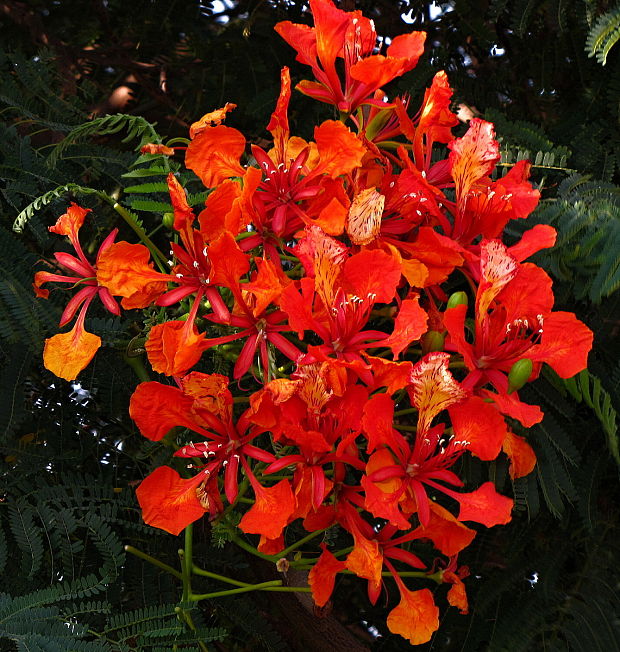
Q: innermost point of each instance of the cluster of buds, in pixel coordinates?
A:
(323, 267)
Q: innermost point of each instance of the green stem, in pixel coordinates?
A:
(139, 369)
(400, 413)
(195, 597)
(289, 589)
(154, 561)
(228, 580)
(296, 545)
(186, 562)
(178, 139)
(251, 549)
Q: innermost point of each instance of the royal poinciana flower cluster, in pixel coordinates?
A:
(323, 267)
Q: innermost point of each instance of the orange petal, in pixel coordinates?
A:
(39, 279)
(392, 375)
(439, 254)
(322, 577)
(435, 115)
(210, 392)
(415, 272)
(70, 223)
(218, 205)
(457, 596)
(479, 426)
(372, 274)
(416, 618)
(172, 349)
(565, 344)
(183, 213)
(229, 262)
(270, 513)
(270, 546)
(485, 506)
(157, 408)
(211, 119)
(365, 560)
(125, 270)
(509, 404)
(168, 501)
(66, 354)
(154, 148)
(267, 286)
(521, 454)
(340, 150)
(332, 216)
(448, 534)
(214, 154)
(409, 326)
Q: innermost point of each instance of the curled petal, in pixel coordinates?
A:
(211, 119)
(322, 577)
(448, 534)
(70, 223)
(172, 348)
(183, 213)
(154, 148)
(457, 596)
(522, 456)
(124, 269)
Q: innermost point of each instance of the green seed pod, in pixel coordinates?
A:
(168, 220)
(432, 341)
(519, 374)
(457, 299)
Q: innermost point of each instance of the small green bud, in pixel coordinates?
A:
(457, 299)
(168, 220)
(519, 374)
(432, 341)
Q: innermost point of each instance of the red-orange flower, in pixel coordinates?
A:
(66, 354)
(352, 37)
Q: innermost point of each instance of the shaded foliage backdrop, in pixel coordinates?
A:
(70, 456)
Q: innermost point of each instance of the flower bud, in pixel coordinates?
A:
(432, 341)
(519, 374)
(457, 299)
(168, 220)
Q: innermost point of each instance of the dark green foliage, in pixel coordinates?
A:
(603, 35)
(586, 214)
